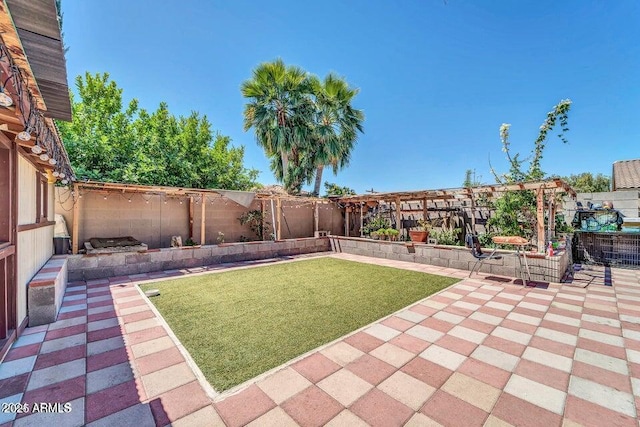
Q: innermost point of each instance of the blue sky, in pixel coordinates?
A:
(436, 78)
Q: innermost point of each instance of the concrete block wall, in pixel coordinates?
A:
(88, 267)
(542, 268)
(626, 201)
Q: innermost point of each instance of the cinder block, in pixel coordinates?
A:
(182, 254)
(111, 260)
(99, 273)
(137, 258)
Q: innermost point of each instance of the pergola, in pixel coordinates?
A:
(244, 198)
(549, 187)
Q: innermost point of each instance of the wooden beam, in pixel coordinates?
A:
(76, 219)
(191, 217)
(540, 219)
(203, 221)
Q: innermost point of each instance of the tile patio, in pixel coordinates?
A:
(486, 351)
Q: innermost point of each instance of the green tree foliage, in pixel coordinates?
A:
(336, 125)
(515, 212)
(333, 189)
(301, 122)
(107, 142)
(586, 182)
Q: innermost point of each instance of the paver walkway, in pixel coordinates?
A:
(485, 351)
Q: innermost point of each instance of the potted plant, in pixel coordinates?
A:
(393, 234)
(382, 234)
(374, 235)
(422, 234)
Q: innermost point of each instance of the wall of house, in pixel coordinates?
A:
(35, 246)
(153, 219)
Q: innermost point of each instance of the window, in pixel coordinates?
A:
(42, 198)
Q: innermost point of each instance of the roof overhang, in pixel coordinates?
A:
(31, 31)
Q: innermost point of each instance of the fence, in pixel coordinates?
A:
(154, 218)
(610, 249)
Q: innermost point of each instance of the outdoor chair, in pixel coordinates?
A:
(472, 242)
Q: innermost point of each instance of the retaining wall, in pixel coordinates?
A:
(543, 268)
(87, 267)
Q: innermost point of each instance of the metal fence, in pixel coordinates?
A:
(609, 249)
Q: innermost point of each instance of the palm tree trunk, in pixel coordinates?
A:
(285, 164)
(316, 187)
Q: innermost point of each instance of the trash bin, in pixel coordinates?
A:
(61, 245)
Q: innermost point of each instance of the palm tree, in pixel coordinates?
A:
(337, 124)
(281, 111)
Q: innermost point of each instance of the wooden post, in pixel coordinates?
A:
(279, 218)
(473, 213)
(191, 217)
(361, 219)
(425, 212)
(203, 223)
(346, 221)
(76, 219)
(552, 217)
(316, 219)
(398, 216)
(263, 204)
(540, 219)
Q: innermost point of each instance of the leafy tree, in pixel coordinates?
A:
(470, 179)
(336, 190)
(586, 182)
(108, 143)
(515, 212)
(337, 124)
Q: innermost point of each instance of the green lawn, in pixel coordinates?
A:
(239, 324)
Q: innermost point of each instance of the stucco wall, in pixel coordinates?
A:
(153, 219)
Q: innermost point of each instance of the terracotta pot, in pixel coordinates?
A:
(419, 236)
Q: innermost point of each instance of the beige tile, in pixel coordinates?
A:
(276, 417)
(167, 379)
(406, 389)
(345, 386)
(342, 353)
(392, 354)
(511, 335)
(539, 394)
(283, 384)
(346, 418)
(205, 416)
(421, 420)
(467, 334)
(548, 359)
(151, 346)
(472, 391)
(132, 310)
(496, 422)
(143, 324)
(443, 357)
